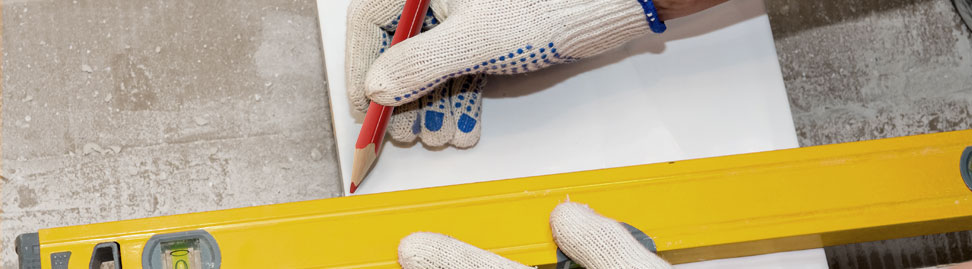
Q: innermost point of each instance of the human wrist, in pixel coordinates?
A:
(673, 9)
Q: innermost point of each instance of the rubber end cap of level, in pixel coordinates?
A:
(966, 167)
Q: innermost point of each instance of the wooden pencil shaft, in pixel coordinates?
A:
(376, 120)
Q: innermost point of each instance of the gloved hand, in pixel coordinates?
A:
(587, 238)
(436, 77)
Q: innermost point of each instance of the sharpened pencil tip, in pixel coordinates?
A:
(363, 159)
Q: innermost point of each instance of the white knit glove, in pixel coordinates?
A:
(436, 76)
(587, 238)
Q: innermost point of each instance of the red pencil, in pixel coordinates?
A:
(373, 130)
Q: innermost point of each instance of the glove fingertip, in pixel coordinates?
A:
(464, 140)
(358, 101)
(382, 88)
(418, 250)
(468, 110)
(405, 124)
(437, 117)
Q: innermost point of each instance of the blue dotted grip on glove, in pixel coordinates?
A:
(651, 15)
(517, 61)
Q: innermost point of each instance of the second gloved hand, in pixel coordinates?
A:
(588, 238)
(436, 77)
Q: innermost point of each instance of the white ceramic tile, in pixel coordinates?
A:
(710, 86)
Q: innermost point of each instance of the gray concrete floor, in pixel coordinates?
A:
(120, 109)
(868, 69)
(216, 104)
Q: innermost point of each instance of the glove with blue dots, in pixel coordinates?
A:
(436, 78)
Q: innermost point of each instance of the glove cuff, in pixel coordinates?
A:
(651, 15)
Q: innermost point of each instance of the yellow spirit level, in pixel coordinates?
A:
(694, 210)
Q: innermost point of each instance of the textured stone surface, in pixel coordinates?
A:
(209, 105)
(867, 69)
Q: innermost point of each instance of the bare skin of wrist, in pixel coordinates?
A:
(672, 9)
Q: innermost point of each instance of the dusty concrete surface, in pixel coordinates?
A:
(2, 242)
(120, 109)
(867, 69)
